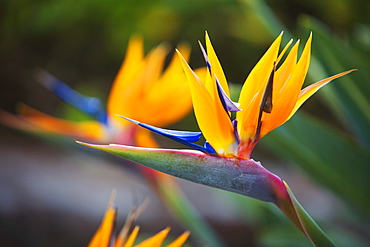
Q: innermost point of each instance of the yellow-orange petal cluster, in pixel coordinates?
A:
(105, 235)
(270, 95)
(141, 91)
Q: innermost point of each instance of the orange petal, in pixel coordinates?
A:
(216, 67)
(180, 240)
(308, 91)
(280, 83)
(156, 240)
(286, 99)
(104, 234)
(252, 92)
(168, 99)
(86, 130)
(285, 71)
(131, 239)
(212, 119)
(282, 53)
(132, 63)
(138, 93)
(144, 138)
(17, 122)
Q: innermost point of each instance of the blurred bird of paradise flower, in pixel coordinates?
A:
(269, 97)
(141, 90)
(105, 235)
(140, 79)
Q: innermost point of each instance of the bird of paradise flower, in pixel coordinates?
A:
(140, 79)
(106, 234)
(269, 97)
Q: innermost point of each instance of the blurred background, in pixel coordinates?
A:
(54, 192)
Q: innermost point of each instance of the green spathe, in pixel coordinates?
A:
(245, 177)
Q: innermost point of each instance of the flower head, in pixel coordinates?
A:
(271, 94)
(105, 236)
(269, 97)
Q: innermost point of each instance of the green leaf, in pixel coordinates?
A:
(174, 198)
(328, 155)
(349, 96)
(291, 207)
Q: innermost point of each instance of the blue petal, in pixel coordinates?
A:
(183, 137)
(90, 105)
(228, 104)
(208, 147)
(235, 125)
(205, 57)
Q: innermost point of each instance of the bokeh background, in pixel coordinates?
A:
(54, 192)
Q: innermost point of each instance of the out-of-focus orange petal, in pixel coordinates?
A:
(144, 93)
(287, 98)
(104, 235)
(144, 138)
(129, 97)
(156, 240)
(252, 92)
(132, 63)
(311, 89)
(213, 121)
(180, 240)
(86, 130)
(17, 122)
(168, 99)
(136, 93)
(131, 239)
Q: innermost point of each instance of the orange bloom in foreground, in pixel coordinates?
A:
(269, 97)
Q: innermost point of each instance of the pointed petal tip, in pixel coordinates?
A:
(82, 143)
(311, 35)
(180, 55)
(290, 42)
(96, 146)
(203, 51)
(129, 119)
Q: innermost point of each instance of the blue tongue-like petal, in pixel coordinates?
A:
(89, 105)
(184, 137)
(205, 57)
(228, 104)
